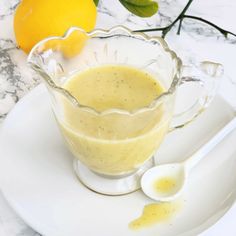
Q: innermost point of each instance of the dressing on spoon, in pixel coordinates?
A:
(165, 184)
(178, 171)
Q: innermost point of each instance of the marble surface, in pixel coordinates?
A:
(196, 42)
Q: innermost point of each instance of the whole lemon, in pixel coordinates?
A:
(35, 20)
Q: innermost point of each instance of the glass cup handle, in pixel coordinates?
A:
(206, 75)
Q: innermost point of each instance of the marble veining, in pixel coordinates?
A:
(7, 7)
(13, 83)
(197, 40)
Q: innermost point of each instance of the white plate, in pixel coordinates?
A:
(37, 178)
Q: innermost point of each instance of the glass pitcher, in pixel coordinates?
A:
(113, 148)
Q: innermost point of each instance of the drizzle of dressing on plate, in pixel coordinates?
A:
(155, 213)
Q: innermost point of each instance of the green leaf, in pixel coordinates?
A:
(140, 2)
(142, 8)
(96, 2)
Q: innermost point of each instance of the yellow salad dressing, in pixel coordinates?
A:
(113, 143)
(155, 213)
(165, 185)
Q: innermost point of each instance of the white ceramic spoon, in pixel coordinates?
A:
(178, 172)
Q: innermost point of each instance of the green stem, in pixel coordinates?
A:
(180, 18)
(166, 29)
(180, 26)
(221, 30)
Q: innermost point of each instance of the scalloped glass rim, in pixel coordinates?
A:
(111, 31)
